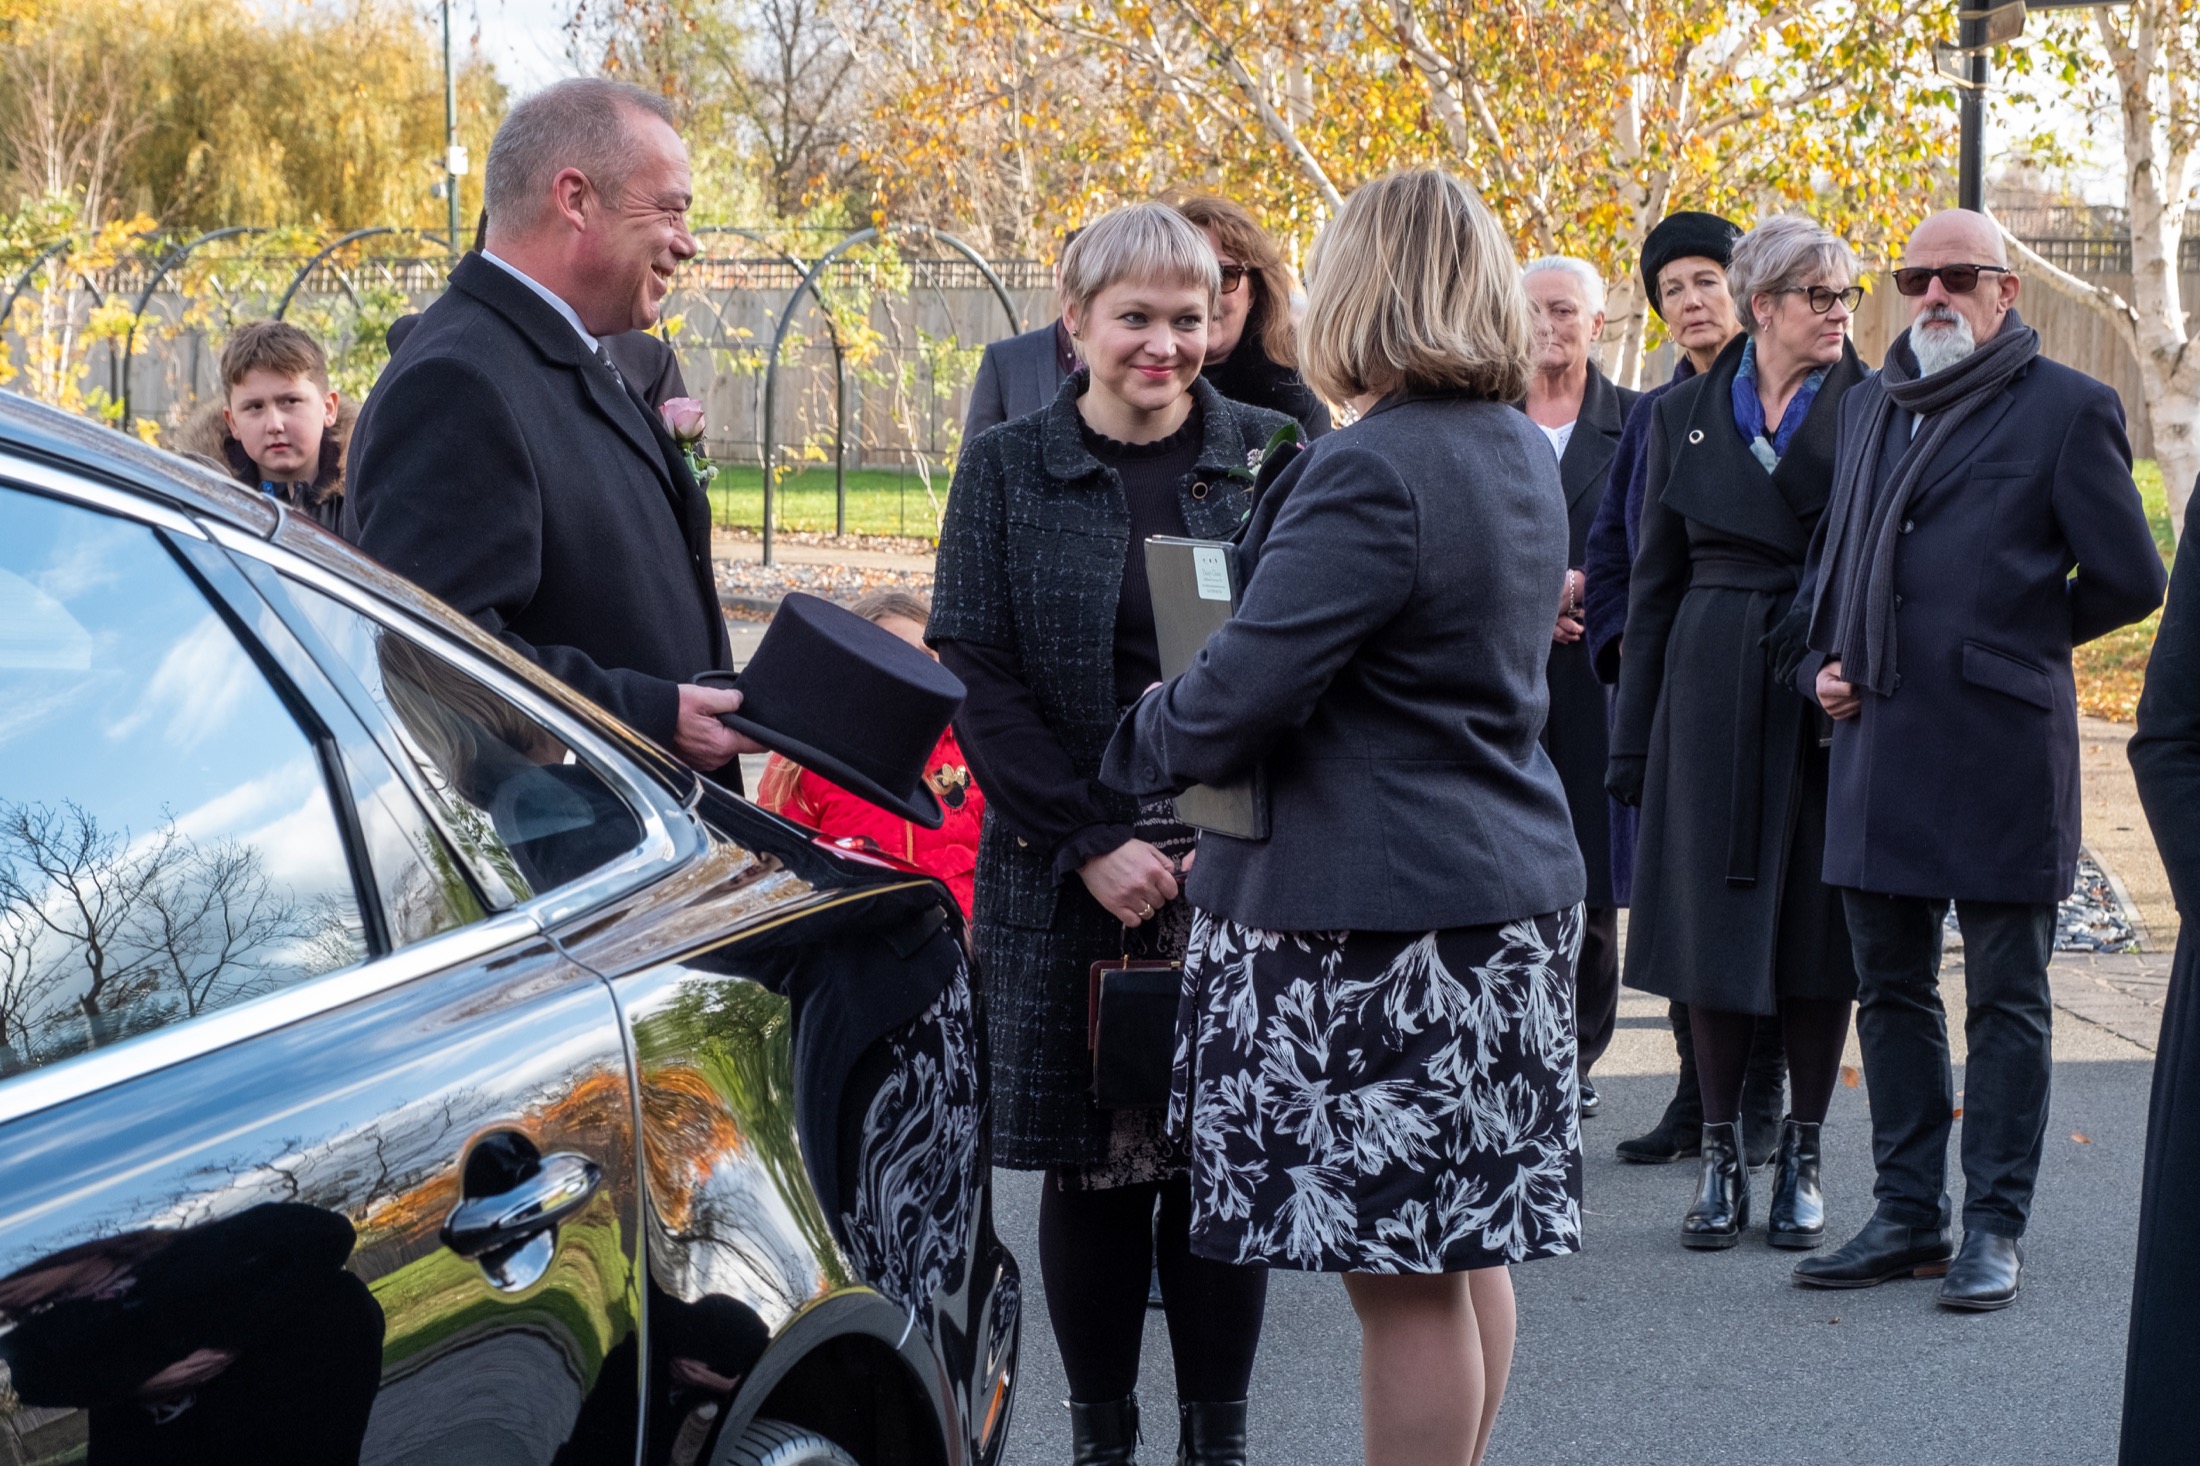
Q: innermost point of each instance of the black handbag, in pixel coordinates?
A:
(1131, 1028)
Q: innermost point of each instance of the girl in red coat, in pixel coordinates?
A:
(949, 852)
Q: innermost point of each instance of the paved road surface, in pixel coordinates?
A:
(1637, 1352)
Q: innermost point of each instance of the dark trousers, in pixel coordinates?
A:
(1903, 1030)
(1596, 986)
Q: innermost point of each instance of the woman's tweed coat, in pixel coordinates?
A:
(1031, 562)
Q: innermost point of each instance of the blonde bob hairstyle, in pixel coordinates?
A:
(1414, 286)
(1786, 252)
(1149, 243)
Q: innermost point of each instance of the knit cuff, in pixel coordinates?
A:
(1091, 841)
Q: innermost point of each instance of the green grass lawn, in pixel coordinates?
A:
(880, 500)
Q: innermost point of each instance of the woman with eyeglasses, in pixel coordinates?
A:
(1730, 916)
(1252, 351)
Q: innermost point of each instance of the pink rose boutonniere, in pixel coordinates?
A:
(684, 420)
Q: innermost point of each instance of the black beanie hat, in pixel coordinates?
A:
(1685, 235)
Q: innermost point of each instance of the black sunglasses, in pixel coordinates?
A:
(1822, 297)
(1234, 275)
(1960, 279)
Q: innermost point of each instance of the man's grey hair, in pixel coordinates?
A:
(583, 123)
(1783, 253)
(1592, 284)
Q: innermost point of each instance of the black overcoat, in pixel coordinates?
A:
(503, 468)
(1963, 782)
(1578, 734)
(2160, 1426)
(1031, 562)
(1729, 910)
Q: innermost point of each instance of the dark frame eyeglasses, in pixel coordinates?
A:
(1960, 279)
(1820, 298)
(1234, 275)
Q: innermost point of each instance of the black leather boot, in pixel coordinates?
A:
(1884, 1250)
(1210, 1433)
(1984, 1275)
(1797, 1216)
(1105, 1434)
(1764, 1094)
(1722, 1193)
(1679, 1133)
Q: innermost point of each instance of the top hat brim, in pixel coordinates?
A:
(918, 805)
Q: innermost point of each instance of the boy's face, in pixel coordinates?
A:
(279, 421)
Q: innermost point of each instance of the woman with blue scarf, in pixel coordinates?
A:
(1730, 916)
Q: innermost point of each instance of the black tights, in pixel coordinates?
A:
(1813, 1031)
(1096, 1249)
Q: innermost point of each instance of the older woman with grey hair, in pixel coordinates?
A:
(1041, 606)
(1730, 914)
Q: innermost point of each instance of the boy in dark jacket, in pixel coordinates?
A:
(283, 420)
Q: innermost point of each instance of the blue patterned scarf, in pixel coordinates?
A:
(1749, 410)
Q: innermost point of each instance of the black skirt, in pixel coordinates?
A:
(1381, 1102)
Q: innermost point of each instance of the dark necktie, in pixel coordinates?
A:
(605, 357)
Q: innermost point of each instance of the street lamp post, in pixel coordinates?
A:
(1980, 28)
(454, 156)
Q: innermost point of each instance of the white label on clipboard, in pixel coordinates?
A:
(1211, 568)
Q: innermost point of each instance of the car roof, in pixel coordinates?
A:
(35, 430)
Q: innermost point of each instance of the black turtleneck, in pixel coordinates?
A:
(1153, 477)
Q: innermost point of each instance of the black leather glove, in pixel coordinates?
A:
(1623, 778)
(1787, 643)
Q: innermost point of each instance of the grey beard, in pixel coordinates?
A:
(1938, 350)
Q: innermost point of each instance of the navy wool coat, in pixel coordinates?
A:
(1729, 910)
(1386, 669)
(1577, 735)
(2160, 1426)
(1031, 562)
(1963, 783)
(502, 468)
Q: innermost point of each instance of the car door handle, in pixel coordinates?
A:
(560, 1185)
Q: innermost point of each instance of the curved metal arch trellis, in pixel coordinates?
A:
(290, 291)
(22, 281)
(840, 405)
(173, 258)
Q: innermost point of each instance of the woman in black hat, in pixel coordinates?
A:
(1684, 262)
(1040, 606)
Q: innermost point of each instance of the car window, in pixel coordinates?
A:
(526, 812)
(167, 842)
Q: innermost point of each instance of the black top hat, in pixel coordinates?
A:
(849, 700)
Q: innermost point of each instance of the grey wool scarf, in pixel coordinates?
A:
(1852, 613)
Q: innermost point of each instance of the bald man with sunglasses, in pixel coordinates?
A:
(1973, 475)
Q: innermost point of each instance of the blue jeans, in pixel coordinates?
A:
(1903, 1030)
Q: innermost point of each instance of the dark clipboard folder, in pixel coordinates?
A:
(1195, 589)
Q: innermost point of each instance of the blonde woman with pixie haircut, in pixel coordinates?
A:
(1377, 1074)
(1040, 605)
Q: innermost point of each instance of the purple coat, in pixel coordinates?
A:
(1614, 536)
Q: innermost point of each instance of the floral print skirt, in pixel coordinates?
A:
(1380, 1101)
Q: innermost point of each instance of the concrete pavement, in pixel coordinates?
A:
(1638, 1351)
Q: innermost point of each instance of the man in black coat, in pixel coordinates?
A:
(506, 464)
(2160, 1426)
(1973, 474)
(1020, 375)
(1581, 412)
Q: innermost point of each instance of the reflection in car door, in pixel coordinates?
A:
(386, 1213)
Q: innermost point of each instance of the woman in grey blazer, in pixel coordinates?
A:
(1376, 1045)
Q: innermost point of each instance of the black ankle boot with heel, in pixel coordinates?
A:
(1105, 1434)
(1210, 1433)
(1721, 1211)
(1797, 1216)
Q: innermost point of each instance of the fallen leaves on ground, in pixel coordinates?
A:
(1850, 1077)
(2081, 1139)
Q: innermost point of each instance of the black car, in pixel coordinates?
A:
(403, 1061)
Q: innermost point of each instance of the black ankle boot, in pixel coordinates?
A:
(1797, 1216)
(1105, 1434)
(1679, 1132)
(1722, 1192)
(1210, 1433)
